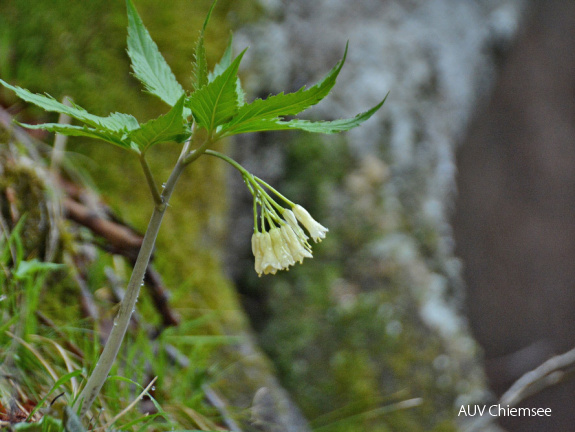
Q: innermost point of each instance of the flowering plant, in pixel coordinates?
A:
(216, 108)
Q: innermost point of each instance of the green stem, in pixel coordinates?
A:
(150, 179)
(100, 373)
(252, 179)
(192, 156)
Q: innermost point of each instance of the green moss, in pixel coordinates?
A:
(78, 49)
(22, 195)
(349, 345)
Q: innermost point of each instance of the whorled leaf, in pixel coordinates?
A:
(325, 127)
(200, 70)
(116, 138)
(115, 122)
(251, 117)
(224, 62)
(148, 64)
(217, 102)
(168, 127)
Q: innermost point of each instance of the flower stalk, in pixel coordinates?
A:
(218, 107)
(100, 373)
(279, 242)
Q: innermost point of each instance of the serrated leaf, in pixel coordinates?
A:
(222, 65)
(116, 138)
(335, 126)
(326, 127)
(115, 122)
(271, 109)
(148, 64)
(200, 71)
(224, 62)
(168, 127)
(217, 102)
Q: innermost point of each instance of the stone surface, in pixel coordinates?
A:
(378, 310)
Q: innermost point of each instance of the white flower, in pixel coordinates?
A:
(298, 247)
(282, 246)
(270, 263)
(258, 251)
(292, 222)
(315, 229)
(278, 249)
(281, 249)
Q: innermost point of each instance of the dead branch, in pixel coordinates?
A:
(549, 373)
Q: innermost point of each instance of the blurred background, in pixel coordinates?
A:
(447, 271)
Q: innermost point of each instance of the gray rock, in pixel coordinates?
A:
(389, 211)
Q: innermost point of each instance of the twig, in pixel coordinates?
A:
(547, 374)
(150, 180)
(221, 406)
(160, 298)
(100, 373)
(121, 238)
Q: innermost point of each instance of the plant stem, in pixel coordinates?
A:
(150, 179)
(100, 373)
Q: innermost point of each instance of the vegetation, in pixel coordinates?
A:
(215, 109)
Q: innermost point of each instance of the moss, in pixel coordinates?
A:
(23, 195)
(78, 49)
(346, 338)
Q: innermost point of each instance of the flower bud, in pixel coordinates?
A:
(298, 247)
(316, 230)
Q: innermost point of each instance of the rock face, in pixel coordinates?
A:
(514, 221)
(374, 319)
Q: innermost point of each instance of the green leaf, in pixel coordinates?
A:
(217, 102)
(147, 63)
(28, 268)
(222, 65)
(46, 424)
(60, 382)
(326, 127)
(200, 72)
(269, 111)
(115, 122)
(335, 126)
(224, 62)
(169, 127)
(116, 138)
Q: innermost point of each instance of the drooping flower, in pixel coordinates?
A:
(298, 247)
(278, 249)
(290, 218)
(258, 251)
(270, 263)
(279, 241)
(315, 229)
(281, 249)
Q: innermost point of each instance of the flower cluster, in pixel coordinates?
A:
(278, 241)
(283, 246)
